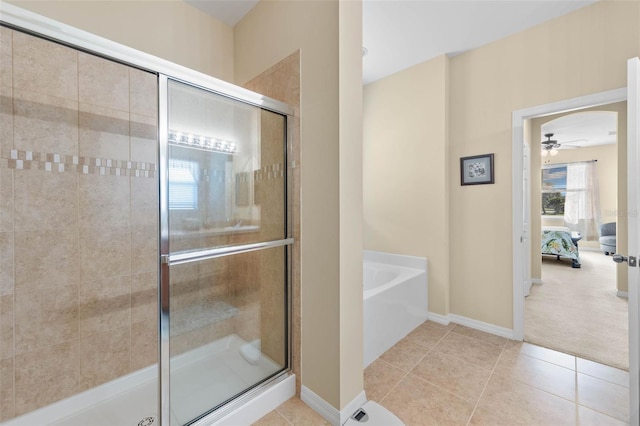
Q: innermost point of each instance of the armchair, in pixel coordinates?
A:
(608, 238)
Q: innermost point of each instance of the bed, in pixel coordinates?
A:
(557, 241)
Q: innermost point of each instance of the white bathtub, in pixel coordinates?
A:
(395, 300)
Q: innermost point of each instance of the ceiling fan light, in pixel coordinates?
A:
(544, 152)
(553, 152)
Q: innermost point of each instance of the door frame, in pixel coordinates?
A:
(521, 257)
(522, 254)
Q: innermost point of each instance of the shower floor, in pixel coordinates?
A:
(200, 379)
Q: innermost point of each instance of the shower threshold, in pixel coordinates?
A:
(200, 379)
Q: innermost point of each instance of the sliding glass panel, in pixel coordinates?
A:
(226, 171)
(227, 290)
(228, 328)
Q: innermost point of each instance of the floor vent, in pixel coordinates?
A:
(147, 421)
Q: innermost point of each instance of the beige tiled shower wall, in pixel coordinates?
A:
(78, 221)
(271, 194)
(282, 82)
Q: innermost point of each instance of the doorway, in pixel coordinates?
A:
(577, 304)
(521, 225)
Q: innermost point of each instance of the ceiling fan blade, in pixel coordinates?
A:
(567, 146)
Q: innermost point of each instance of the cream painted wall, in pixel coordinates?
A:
(406, 208)
(169, 29)
(578, 54)
(328, 35)
(351, 210)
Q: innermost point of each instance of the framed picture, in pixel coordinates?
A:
(476, 170)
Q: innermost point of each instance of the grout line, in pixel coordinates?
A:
(13, 224)
(528, 384)
(576, 393)
(475, 407)
(502, 346)
(394, 386)
(440, 387)
(409, 372)
(283, 416)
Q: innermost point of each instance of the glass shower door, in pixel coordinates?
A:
(225, 252)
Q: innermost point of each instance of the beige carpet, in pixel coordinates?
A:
(577, 311)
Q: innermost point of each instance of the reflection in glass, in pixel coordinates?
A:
(225, 156)
(227, 186)
(228, 328)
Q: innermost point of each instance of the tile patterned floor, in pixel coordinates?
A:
(454, 375)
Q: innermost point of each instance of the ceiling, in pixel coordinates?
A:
(583, 129)
(227, 11)
(402, 33)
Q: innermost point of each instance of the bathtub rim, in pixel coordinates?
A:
(407, 261)
(404, 274)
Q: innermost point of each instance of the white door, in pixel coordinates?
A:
(526, 216)
(633, 143)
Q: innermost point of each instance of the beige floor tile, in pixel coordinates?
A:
(379, 378)
(300, 414)
(469, 349)
(603, 396)
(439, 326)
(549, 355)
(458, 377)
(508, 402)
(589, 417)
(272, 419)
(512, 344)
(543, 375)
(417, 402)
(604, 372)
(404, 355)
(491, 417)
(480, 335)
(427, 335)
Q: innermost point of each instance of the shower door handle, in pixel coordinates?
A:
(206, 254)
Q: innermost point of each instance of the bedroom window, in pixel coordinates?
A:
(554, 190)
(571, 190)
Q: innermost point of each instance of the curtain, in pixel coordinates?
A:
(582, 201)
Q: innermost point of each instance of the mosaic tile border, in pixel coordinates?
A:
(273, 171)
(28, 160)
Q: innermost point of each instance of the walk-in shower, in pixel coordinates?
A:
(145, 236)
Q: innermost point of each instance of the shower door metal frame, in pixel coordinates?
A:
(29, 22)
(167, 259)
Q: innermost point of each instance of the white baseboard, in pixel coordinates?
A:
(351, 407)
(328, 411)
(320, 406)
(482, 326)
(624, 294)
(471, 323)
(536, 281)
(440, 319)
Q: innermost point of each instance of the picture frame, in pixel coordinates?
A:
(476, 170)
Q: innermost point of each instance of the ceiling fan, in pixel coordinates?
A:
(551, 147)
